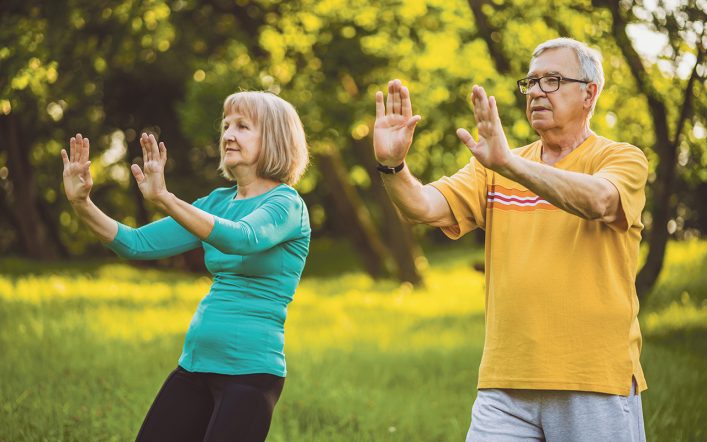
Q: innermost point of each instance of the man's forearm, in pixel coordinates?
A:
(406, 193)
(417, 203)
(578, 193)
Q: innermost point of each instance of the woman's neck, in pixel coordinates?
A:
(249, 188)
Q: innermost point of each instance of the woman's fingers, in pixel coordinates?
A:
(65, 158)
(137, 173)
(154, 149)
(84, 150)
(163, 152)
(72, 149)
(77, 148)
(85, 170)
(145, 150)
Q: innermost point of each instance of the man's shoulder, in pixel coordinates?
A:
(603, 146)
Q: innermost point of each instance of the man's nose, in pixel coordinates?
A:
(535, 91)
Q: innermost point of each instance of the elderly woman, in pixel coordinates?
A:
(255, 237)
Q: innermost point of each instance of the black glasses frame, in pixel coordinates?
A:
(531, 81)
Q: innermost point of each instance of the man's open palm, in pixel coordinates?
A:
(395, 125)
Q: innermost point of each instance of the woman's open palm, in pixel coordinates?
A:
(150, 179)
(77, 175)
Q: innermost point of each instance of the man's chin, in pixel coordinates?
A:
(541, 125)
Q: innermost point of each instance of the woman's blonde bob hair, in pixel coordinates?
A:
(283, 147)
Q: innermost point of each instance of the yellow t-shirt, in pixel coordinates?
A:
(561, 305)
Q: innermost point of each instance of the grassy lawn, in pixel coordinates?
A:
(85, 347)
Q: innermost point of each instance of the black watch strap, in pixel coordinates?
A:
(390, 170)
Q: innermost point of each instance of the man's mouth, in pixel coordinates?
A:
(538, 108)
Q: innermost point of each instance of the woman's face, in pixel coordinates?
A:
(241, 142)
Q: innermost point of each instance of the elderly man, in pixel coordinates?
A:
(562, 220)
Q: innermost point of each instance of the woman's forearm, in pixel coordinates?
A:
(103, 226)
(196, 221)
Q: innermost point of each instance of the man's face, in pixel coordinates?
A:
(565, 108)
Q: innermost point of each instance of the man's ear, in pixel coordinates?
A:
(590, 95)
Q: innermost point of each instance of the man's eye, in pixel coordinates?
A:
(225, 126)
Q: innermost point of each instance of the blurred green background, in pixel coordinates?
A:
(385, 334)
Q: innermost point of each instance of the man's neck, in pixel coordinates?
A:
(557, 145)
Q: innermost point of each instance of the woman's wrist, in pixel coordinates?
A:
(80, 203)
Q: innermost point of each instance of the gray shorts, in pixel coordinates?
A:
(554, 416)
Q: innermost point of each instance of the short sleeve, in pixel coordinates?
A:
(626, 167)
(465, 192)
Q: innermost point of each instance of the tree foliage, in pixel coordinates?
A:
(115, 68)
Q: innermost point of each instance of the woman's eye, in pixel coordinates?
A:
(225, 126)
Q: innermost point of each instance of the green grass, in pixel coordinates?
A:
(85, 347)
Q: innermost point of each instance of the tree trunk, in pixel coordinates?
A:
(664, 184)
(20, 194)
(492, 37)
(398, 234)
(353, 215)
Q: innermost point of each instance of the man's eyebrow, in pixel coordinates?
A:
(533, 74)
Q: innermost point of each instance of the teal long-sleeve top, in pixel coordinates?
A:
(256, 253)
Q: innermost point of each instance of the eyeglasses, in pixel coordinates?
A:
(548, 83)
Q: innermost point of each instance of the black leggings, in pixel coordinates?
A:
(212, 407)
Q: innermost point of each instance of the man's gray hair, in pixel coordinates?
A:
(589, 61)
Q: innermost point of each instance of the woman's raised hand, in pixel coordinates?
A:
(395, 125)
(150, 179)
(77, 175)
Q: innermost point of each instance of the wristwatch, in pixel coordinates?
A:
(390, 170)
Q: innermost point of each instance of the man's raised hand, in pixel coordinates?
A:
(395, 125)
(492, 149)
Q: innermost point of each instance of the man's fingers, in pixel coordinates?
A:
(494, 109)
(137, 173)
(412, 122)
(406, 104)
(483, 102)
(466, 138)
(65, 158)
(397, 100)
(389, 101)
(380, 107)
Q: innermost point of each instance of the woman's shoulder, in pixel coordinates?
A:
(218, 194)
(286, 190)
